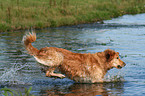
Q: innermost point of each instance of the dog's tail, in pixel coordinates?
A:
(27, 40)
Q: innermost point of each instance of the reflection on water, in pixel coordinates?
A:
(105, 89)
(18, 69)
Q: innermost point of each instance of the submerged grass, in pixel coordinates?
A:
(11, 92)
(26, 14)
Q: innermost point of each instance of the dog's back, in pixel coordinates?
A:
(81, 67)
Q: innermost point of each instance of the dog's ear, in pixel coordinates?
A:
(109, 54)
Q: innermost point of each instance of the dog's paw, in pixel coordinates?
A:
(62, 76)
(56, 75)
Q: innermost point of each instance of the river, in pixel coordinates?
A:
(125, 34)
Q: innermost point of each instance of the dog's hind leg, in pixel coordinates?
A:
(50, 73)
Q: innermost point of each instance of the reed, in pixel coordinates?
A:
(26, 14)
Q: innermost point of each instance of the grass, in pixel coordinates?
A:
(10, 92)
(26, 14)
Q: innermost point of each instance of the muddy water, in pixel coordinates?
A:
(125, 34)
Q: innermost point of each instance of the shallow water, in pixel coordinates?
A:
(125, 34)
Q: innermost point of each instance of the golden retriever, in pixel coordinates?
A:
(83, 68)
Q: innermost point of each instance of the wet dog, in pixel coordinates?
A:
(83, 68)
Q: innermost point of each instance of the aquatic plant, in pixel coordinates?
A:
(6, 91)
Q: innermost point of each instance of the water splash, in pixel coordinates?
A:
(12, 76)
(114, 77)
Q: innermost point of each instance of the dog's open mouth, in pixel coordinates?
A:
(119, 67)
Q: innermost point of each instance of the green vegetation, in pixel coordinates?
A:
(26, 14)
(7, 91)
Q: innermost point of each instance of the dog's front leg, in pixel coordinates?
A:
(50, 73)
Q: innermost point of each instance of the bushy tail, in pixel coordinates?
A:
(27, 40)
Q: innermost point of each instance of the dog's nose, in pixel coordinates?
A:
(124, 64)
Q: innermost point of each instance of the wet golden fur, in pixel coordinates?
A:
(83, 68)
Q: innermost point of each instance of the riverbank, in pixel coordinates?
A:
(26, 14)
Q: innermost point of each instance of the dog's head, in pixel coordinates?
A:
(112, 58)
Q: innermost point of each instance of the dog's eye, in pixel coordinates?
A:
(117, 57)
